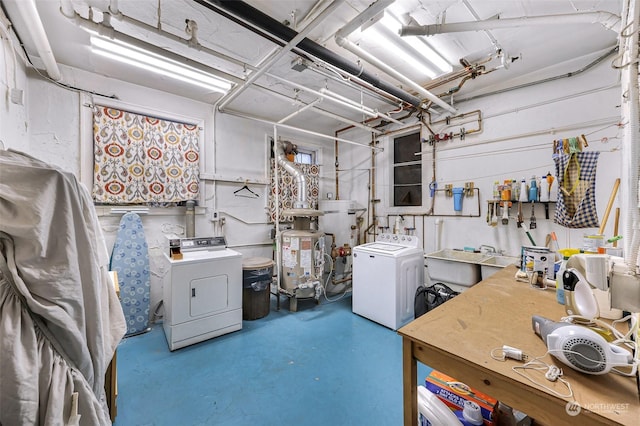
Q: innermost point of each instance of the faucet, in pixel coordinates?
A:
(488, 249)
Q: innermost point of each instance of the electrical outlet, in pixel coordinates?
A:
(214, 215)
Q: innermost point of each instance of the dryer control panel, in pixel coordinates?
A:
(202, 243)
(178, 245)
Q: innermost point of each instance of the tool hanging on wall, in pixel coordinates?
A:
(494, 217)
(520, 219)
(489, 208)
(505, 213)
(526, 231)
(533, 224)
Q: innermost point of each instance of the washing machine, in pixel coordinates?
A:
(202, 292)
(386, 274)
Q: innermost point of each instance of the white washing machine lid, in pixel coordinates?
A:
(394, 250)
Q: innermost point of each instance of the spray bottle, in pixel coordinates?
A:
(533, 189)
(398, 225)
(523, 191)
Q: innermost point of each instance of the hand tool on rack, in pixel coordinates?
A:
(494, 217)
(533, 224)
(505, 213)
(520, 219)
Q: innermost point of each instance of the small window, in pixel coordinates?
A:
(305, 157)
(407, 171)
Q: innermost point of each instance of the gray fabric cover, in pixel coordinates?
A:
(60, 318)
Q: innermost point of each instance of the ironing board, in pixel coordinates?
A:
(130, 259)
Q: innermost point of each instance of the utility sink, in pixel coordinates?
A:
(494, 264)
(455, 267)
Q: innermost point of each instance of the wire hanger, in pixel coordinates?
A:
(246, 192)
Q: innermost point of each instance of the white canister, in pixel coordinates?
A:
(544, 190)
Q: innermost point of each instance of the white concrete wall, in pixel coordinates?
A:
(503, 150)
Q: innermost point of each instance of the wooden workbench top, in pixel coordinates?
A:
(498, 312)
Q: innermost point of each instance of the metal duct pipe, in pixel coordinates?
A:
(609, 20)
(301, 183)
(265, 23)
(29, 13)
(191, 219)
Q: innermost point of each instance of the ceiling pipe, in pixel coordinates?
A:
(492, 39)
(315, 9)
(319, 110)
(331, 73)
(298, 129)
(348, 121)
(609, 20)
(29, 13)
(259, 22)
(369, 14)
(357, 107)
(263, 68)
(300, 110)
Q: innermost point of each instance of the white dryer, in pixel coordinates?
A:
(386, 274)
(202, 292)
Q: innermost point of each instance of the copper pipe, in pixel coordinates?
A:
(336, 164)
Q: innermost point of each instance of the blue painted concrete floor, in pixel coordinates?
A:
(322, 365)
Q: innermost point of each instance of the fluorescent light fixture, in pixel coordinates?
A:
(132, 55)
(403, 55)
(422, 48)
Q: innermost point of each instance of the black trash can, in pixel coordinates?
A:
(257, 273)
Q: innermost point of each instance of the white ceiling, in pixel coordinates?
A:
(528, 49)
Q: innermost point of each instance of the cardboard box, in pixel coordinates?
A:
(454, 393)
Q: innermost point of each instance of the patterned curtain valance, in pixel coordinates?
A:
(140, 159)
(288, 190)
